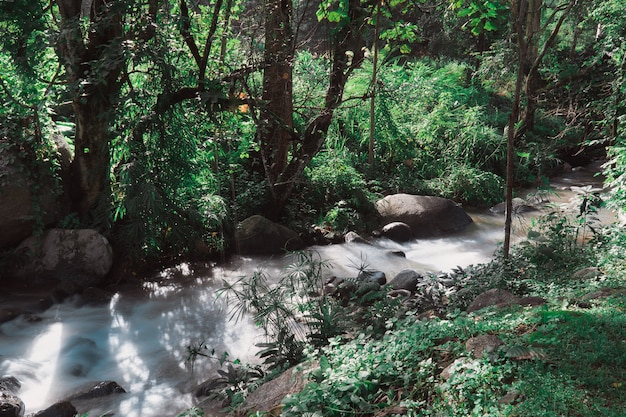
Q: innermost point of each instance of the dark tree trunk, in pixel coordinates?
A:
(276, 130)
(93, 63)
(310, 142)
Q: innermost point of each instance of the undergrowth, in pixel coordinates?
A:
(369, 355)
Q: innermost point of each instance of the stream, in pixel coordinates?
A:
(140, 338)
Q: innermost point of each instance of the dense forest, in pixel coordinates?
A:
(161, 124)
(177, 119)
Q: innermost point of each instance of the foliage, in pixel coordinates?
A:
(295, 311)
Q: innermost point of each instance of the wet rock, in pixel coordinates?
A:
(257, 235)
(80, 355)
(397, 253)
(10, 404)
(482, 345)
(94, 296)
(60, 409)
(493, 297)
(378, 277)
(407, 279)
(353, 237)
(427, 216)
(397, 231)
(10, 384)
(96, 390)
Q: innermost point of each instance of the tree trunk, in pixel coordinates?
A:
(311, 141)
(276, 132)
(93, 63)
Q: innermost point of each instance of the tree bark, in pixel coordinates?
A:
(93, 63)
(276, 130)
(311, 141)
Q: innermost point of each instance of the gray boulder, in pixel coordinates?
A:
(398, 231)
(69, 260)
(17, 201)
(427, 216)
(407, 279)
(60, 409)
(258, 235)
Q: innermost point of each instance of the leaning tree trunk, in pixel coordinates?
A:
(93, 62)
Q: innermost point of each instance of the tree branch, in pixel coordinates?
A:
(185, 30)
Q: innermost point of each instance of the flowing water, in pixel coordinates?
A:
(140, 338)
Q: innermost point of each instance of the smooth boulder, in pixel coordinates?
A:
(258, 235)
(68, 260)
(397, 231)
(427, 216)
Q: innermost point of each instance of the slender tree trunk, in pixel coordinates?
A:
(372, 138)
(519, 13)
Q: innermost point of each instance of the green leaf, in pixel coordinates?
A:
(334, 16)
(490, 26)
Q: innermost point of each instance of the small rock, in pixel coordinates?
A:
(397, 253)
(373, 276)
(482, 345)
(531, 301)
(10, 384)
(493, 297)
(587, 273)
(353, 237)
(510, 397)
(457, 366)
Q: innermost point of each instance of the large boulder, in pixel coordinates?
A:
(257, 235)
(69, 260)
(427, 216)
(20, 207)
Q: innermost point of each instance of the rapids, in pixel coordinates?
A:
(140, 338)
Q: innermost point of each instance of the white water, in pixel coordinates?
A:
(139, 340)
